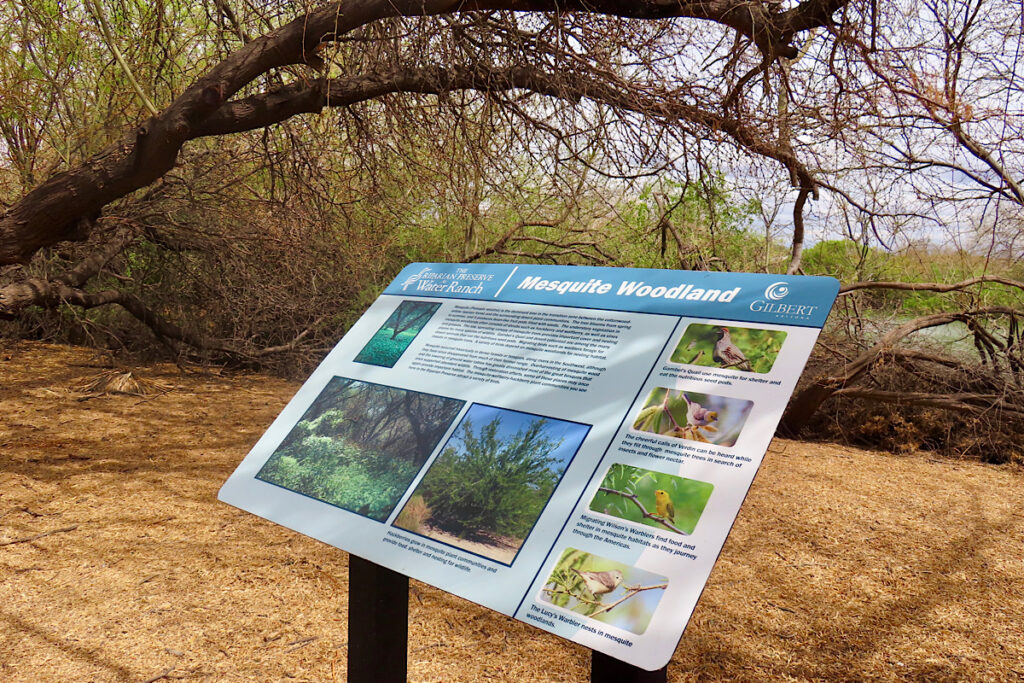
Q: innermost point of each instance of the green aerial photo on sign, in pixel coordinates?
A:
(395, 335)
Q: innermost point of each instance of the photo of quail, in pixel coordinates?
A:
(733, 348)
(727, 354)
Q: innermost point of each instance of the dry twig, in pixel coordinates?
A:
(42, 535)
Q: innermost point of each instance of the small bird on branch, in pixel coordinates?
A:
(599, 583)
(663, 505)
(697, 415)
(727, 353)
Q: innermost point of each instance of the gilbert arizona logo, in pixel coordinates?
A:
(773, 295)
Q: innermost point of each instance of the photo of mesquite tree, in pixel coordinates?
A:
(491, 482)
(360, 445)
(395, 335)
(747, 349)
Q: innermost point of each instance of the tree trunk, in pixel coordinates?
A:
(804, 405)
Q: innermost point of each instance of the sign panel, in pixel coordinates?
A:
(566, 445)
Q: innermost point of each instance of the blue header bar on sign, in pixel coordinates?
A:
(748, 297)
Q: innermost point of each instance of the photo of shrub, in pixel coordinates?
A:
(491, 482)
(695, 417)
(388, 344)
(733, 348)
(663, 501)
(360, 445)
(610, 592)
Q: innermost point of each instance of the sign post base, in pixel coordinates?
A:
(378, 623)
(378, 632)
(605, 669)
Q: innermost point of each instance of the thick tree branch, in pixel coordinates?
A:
(860, 364)
(53, 293)
(913, 354)
(55, 210)
(92, 265)
(808, 400)
(967, 402)
(797, 252)
(67, 289)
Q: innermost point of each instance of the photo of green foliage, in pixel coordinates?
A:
(393, 338)
(705, 418)
(359, 445)
(734, 348)
(610, 592)
(663, 501)
(493, 479)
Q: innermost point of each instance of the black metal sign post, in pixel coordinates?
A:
(378, 632)
(378, 623)
(605, 669)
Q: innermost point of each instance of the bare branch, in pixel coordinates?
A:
(974, 403)
(265, 109)
(930, 286)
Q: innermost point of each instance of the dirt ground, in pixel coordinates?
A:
(503, 552)
(117, 563)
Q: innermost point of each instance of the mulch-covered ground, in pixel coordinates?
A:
(117, 563)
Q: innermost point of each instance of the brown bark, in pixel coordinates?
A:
(38, 292)
(797, 252)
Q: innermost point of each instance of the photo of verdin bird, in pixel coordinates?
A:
(727, 353)
(697, 415)
(599, 583)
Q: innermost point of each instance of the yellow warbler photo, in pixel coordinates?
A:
(663, 501)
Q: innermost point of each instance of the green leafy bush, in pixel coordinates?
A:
(357, 447)
(485, 484)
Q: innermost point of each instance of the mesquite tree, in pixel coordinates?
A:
(126, 128)
(479, 46)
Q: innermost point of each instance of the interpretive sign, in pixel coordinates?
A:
(566, 445)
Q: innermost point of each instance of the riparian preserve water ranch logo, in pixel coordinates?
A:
(772, 303)
(461, 281)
